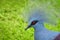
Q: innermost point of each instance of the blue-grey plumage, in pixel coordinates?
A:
(37, 20)
(41, 33)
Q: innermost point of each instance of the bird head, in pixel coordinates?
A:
(35, 19)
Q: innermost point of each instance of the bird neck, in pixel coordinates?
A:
(40, 27)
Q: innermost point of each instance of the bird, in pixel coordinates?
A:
(37, 20)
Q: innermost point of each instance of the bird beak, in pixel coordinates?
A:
(28, 27)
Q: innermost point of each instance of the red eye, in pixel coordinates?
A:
(34, 22)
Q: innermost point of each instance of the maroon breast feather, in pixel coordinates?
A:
(57, 37)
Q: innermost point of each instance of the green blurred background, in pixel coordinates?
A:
(12, 19)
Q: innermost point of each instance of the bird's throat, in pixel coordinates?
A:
(39, 27)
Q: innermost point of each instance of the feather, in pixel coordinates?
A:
(57, 37)
(45, 16)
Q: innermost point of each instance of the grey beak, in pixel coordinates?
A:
(28, 27)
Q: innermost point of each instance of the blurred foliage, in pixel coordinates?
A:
(12, 24)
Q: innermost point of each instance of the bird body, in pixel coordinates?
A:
(37, 20)
(45, 35)
(42, 33)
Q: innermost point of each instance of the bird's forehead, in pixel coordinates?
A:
(34, 17)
